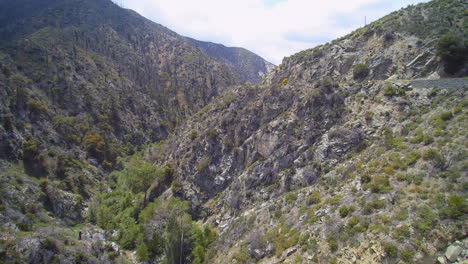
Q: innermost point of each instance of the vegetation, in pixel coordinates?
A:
(360, 71)
(452, 51)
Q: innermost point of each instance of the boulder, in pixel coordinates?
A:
(453, 252)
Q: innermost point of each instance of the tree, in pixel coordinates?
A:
(452, 52)
(170, 221)
(360, 71)
(139, 176)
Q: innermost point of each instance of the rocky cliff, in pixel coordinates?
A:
(334, 148)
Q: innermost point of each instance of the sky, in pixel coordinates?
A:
(271, 28)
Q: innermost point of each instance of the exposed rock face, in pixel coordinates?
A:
(312, 126)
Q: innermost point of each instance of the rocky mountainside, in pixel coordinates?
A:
(249, 65)
(335, 148)
(83, 82)
(350, 152)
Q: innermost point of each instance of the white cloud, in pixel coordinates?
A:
(270, 30)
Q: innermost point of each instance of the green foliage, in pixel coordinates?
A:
(426, 219)
(434, 156)
(391, 250)
(130, 231)
(143, 252)
(360, 71)
(203, 163)
(452, 51)
(380, 184)
(313, 198)
(440, 120)
(332, 243)
(282, 237)
(402, 233)
(457, 207)
(30, 150)
(391, 91)
(344, 211)
(390, 140)
(94, 143)
(407, 255)
(412, 157)
(139, 175)
(193, 135)
(36, 108)
(202, 241)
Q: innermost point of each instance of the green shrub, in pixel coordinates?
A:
(391, 250)
(402, 233)
(380, 184)
(142, 252)
(35, 107)
(203, 163)
(193, 135)
(412, 157)
(457, 207)
(333, 244)
(94, 143)
(435, 156)
(452, 51)
(313, 198)
(426, 219)
(407, 255)
(344, 211)
(377, 204)
(360, 71)
(211, 134)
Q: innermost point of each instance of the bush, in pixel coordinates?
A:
(452, 52)
(402, 233)
(344, 211)
(203, 163)
(36, 108)
(456, 207)
(380, 184)
(426, 219)
(313, 198)
(193, 135)
(333, 244)
(360, 71)
(435, 156)
(391, 250)
(94, 143)
(142, 252)
(407, 255)
(412, 157)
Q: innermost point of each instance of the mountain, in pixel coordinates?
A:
(349, 152)
(248, 64)
(83, 82)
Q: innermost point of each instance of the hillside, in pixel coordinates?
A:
(83, 82)
(250, 66)
(351, 152)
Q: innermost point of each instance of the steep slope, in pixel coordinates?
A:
(83, 82)
(327, 151)
(249, 65)
(338, 156)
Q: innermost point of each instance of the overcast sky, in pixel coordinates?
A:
(271, 28)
